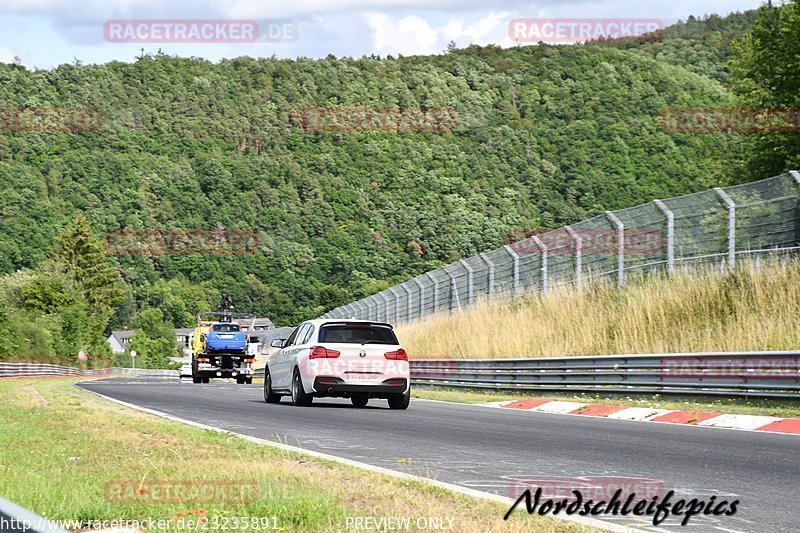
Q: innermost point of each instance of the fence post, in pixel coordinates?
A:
(396, 305)
(470, 292)
(409, 307)
(453, 290)
(490, 274)
(670, 234)
(515, 258)
(435, 291)
(421, 297)
(578, 256)
(731, 207)
(543, 249)
(375, 301)
(385, 307)
(620, 247)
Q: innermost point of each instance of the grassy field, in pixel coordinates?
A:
(703, 311)
(765, 408)
(64, 453)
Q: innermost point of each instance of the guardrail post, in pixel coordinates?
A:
(421, 297)
(396, 304)
(578, 255)
(731, 207)
(470, 292)
(543, 249)
(620, 247)
(670, 234)
(490, 273)
(435, 291)
(515, 258)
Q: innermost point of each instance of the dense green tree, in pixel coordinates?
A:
(766, 70)
(154, 340)
(83, 258)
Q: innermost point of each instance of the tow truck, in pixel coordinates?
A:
(219, 349)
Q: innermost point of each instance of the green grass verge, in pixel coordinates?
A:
(63, 451)
(723, 406)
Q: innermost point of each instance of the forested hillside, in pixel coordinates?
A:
(544, 135)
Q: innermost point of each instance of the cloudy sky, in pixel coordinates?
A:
(45, 33)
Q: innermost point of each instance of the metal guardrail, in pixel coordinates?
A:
(730, 375)
(13, 370)
(46, 369)
(16, 519)
(145, 371)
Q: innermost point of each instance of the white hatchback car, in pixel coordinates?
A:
(356, 359)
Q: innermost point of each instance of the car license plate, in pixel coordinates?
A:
(362, 375)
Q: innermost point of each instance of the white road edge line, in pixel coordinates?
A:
(581, 520)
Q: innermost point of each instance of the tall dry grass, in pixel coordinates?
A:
(750, 309)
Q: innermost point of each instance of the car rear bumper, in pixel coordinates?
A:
(334, 386)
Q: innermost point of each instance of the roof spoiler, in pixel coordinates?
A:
(345, 322)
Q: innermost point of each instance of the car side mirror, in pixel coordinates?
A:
(277, 343)
(253, 339)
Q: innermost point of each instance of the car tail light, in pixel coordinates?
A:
(202, 359)
(399, 355)
(248, 360)
(320, 352)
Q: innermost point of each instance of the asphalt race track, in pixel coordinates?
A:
(499, 450)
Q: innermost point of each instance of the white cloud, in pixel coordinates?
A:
(7, 55)
(408, 35)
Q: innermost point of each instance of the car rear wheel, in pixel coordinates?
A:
(359, 400)
(299, 396)
(206, 380)
(196, 380)
(240, 380)
(269, 395)
(400, 401)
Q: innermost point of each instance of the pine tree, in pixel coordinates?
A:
(82, 256)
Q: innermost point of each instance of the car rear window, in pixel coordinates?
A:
(357, 334)
(227, 328)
